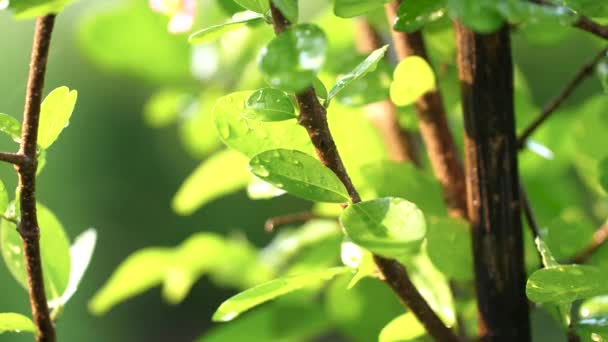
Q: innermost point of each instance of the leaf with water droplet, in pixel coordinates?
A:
(55, 114)
(413, 15)
(292, 60)
(289, 8)
(212, 33)
(260, 294)
(54, 250)
(390, 226)
(251, 137)
(269, 104)
(566, 284)
(300, 175)
(13, 322)
(368, 65)
(413, 78)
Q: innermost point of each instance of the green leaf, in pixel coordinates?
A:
(248, 299)
(545, 253)
(25, 9)
(13, 322)
(164, 107)
(258, 189)
(357, 258)
(603, 172)
(253, 137)
(594, 306)
(413, 15)
(480, 15)
(299, 174)
(388, 226)
(565, 284)
(81, 253)
(258, 6)
(55, 115)
(289, 8)
(292, 60)
(10, 126)
(403, 328)
(368, 65)
(269, 104)
(456, 262)
(4, 200)
(215, 32)
(54, 251)
(591, 8)
(223, 173)
(592, 328)
(353, 8)
(413, 78)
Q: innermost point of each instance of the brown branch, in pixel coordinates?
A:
(433, 124)
(28, 227)
(313, 119)
(585, 71)
(528, 212)
(599, 239)
(274, 222)
(12, 158)
(486, 78)
(583, 23)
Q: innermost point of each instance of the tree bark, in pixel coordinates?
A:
(486, 77)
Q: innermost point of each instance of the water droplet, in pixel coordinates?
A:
(259, 170)
(229, 99)
(276, 154)
(224, 129)
(296, 162)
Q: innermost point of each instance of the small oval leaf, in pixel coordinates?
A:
(413, 77)
(565, 284)
(10, 126)
(55, 114)
(269, 104)
(299, 174)
(13, 322)
(215, 32)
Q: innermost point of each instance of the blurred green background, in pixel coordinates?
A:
(112, 172)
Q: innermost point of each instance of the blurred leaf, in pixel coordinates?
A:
(269, 104)
(289, 8)
(299, 174)
(592, 328)
(164, 107)
(594, 307)
(147, 50)
(565, 284)
(55, 115)
(480, 15)
(413, 15)
(25, 9)
(81, 253)
(54, 251)
(252, 137)
(356, 257)
(396, 179)
(248, 299)
(569, 233)
(258, 6)
(141, 271)
(258, 189)
(215, 32)
(387, 226)
(368, 65)
(353, 8)
(456, 262)
(548, 259)
(223, 173)
(292, 59)
(10, 126)
(604, 174)
(403, 328)
(4, 200)
(13, 322)
(413, 78)
(197, 133)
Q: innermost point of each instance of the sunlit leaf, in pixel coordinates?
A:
(368, 65)
(387, 226)
(248, 299)
(289, 8)
(299, 174)
(164, 107)
(456, 262)
(25, 9)
(215, 32)
(258, 6)
(55, 114)
(269, 104)
(10, 126)
(251, 137)
(565, 284)
(223, 173)
(593, 328)
(413, 78)
(292, 59)
(413, 15)
(54, 251)
(403, 328)
(353, 8)
(13, 322)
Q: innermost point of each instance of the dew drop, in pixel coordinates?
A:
(260, 170)
(224, 129)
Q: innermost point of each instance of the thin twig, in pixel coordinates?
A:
(12, 158)
(400, 143)
(583, 22)
(433, 124)
(272, 223)
(585, 71)
(528, 212)
(313, 118)
(599, 239)
(28, 227)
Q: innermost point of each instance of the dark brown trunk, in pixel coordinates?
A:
(486, 76)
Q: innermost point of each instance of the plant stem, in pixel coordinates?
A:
(399, 142)
(433, 124)
(486, 77)
(585, 71)
(28, 227)
(599, 239)
(584, 23)
(313, 119)
(12, 158)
